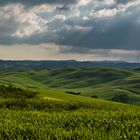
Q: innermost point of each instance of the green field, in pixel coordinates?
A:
(104, 83)
(44, 111)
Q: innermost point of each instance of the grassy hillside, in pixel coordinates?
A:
(104, 83)
(54, 115)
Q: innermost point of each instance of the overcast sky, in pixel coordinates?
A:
(70, 29)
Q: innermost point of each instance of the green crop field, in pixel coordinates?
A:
(61, 104)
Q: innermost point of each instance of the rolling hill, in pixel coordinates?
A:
(104, 83)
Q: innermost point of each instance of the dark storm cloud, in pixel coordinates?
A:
(121, 36)
(29, 3)
(117, 31)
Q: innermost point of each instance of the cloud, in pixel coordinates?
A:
(93, 27)
(15, 21)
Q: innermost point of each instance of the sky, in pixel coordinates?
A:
(83, 30)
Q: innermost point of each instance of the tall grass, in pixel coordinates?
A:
(75, 125)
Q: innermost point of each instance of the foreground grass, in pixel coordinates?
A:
(52, 119)
(81, 124)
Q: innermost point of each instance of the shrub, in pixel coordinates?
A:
(124, 98)
(94, 96)
(74, 93)
(11, 91)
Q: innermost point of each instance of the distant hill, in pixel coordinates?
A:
(65, 64)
